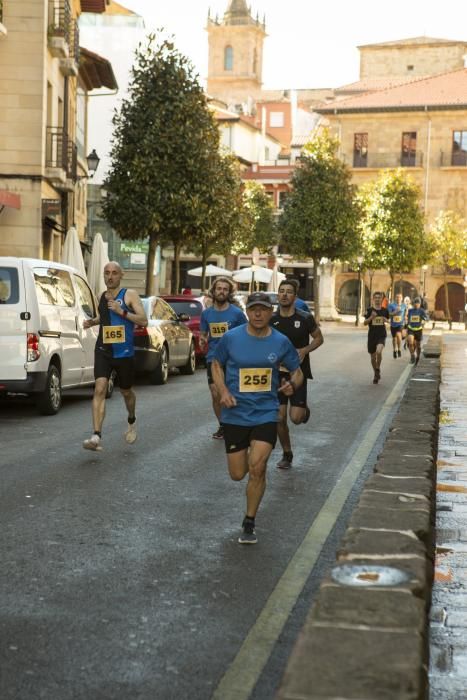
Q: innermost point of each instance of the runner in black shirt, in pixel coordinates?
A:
(298, 326)
(376, 318)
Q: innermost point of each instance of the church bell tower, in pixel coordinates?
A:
(236, 55)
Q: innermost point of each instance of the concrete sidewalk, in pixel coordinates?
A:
(448, 619)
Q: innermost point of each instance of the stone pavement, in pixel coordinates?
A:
(448, 618)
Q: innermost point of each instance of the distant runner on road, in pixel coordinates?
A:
(416, 318)
(299, 327)
(120, 309)
(214, 323)
(376, 318)
(245, 369)
(397, 313)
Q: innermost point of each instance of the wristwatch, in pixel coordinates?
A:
(124, 313)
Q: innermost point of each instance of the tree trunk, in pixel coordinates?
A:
(371, 275)
(447, 312)
(176, 280)
(316, 276)
(150, 266)
(391, 291)
(204, 259)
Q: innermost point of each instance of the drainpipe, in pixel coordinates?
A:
(427, 168)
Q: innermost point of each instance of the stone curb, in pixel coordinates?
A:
(366, 640)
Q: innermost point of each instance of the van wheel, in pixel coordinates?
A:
(111, 385)
(190, 366)
(50, 401)
(161, 374)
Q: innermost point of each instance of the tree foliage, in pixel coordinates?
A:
(392, 223)
(164, 141)
(448, 245)
(258, 226)
(320, 216)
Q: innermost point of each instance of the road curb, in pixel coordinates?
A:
(366, 635)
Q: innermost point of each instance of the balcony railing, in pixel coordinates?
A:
(386, 160)
(60, 19)
(61, 152)
(453, 159)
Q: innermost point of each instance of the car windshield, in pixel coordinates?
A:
(190, 307)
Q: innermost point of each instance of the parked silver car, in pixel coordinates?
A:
(164, 343)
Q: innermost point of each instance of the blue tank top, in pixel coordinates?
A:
(116, 333)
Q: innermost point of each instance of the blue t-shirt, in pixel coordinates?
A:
(216, 323)
(301, 305)
(415, 319)
(397, 317)
(256, 390)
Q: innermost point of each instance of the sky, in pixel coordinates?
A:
(310, 43)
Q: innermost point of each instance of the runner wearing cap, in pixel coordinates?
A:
(416, 317)
(215, 321)
(300, 328)
(376, 318)
(245, 369)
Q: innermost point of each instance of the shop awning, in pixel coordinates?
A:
(96, 71)
(9, 199)
(93, 5)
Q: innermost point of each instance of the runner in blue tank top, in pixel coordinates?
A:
(216, 320)
(119, 311)
(245, 370)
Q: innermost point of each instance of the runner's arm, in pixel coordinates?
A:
(89, 322)
(317, 340)
(137, 315)
(225, 397)
(203, 339)
(288, 387)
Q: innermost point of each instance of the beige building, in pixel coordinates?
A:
(44, 83)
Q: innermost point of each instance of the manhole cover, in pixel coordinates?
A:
(368, 575)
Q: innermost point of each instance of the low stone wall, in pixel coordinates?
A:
(366, 636)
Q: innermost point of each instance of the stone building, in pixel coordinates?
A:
(45, 81)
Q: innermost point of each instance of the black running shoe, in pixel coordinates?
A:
(399, 354)
(219, 434)
(307, 415)
(412, 359)
(394, 354)
(248, 534)
(286, 461)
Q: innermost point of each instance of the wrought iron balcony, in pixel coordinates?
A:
(385, 160)
(63, 33)
(61, 152)
(454, 159)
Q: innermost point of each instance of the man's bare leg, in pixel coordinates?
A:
(98, 414)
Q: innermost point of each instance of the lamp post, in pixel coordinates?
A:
(424, 268)
(92, 161)
(359, 293)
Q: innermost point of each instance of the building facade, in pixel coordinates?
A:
(44, 86)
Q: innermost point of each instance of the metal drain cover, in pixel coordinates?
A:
(368, 575)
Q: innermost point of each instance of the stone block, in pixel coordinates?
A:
(419, 570)
(369, 607)
(413, 467)
(419, 486)
(355, 665)
(371, 543)
(394, 501)
(416, 521)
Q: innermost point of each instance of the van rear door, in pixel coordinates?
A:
(13, 324)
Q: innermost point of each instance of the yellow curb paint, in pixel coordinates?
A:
(451, 488)
(243, 673)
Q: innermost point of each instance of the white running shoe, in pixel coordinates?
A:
(93, 443)
(131, 434)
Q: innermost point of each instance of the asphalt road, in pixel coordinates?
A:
(121, 577)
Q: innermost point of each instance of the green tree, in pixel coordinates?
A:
(392, 224)
(164, 138)
(220, 208)
(258, 229)
(448, 240)
(320, 216)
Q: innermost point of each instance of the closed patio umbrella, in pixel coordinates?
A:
(71, 252)
(99, 258)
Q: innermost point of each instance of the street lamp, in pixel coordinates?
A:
(424, 268)
(359, 293)
(92, 161)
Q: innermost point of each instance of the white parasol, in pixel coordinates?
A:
(71, 252)
(211, 271)
(99, 258)
(254, 273)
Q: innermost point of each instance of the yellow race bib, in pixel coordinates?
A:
(378, 321)
(217, 330)
(255, 379)
(415, 319)
(113, 334)
(397, 319)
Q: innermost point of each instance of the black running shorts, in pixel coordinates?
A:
(418, 335)
(239, 437)
(373, 344)
(395, 330)
(299, 396)
(124, 367)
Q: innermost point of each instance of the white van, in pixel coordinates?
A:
(43, 346)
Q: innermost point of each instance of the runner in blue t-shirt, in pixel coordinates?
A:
(397, 314)
(245, 370)
(416, 317)
(215, 321)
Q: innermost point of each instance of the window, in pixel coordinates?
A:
(459, 148)
(409, 149)
(192, 308)
(162, 311)
(54, 287)
(85, 298)
(9, 286)
(276, 119)
(282, 197)
(228, 58)
(410, 68)
(255, 61)
(360, 150)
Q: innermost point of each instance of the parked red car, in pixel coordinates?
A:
(193, 306)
